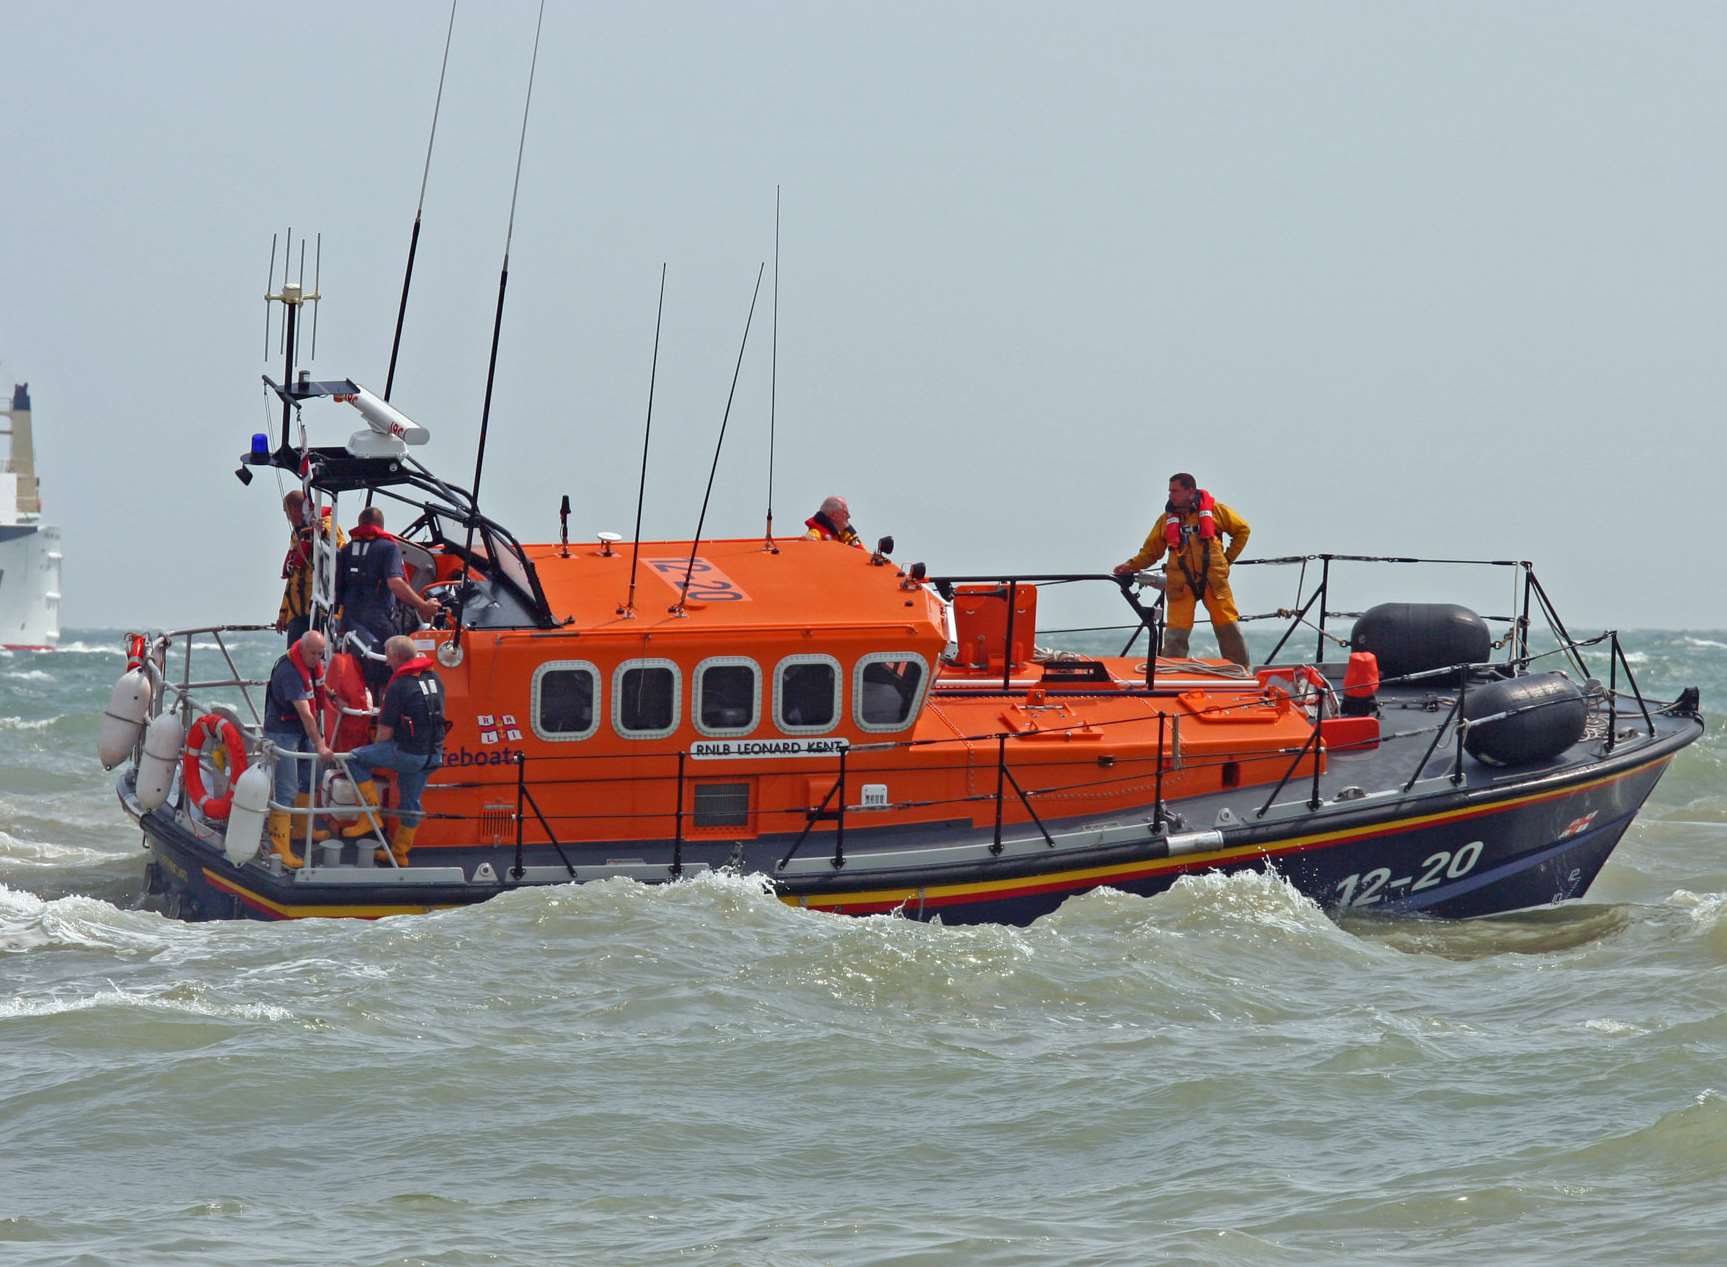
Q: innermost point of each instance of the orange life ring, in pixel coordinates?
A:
(192, 773)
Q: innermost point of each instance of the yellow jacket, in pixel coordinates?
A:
(297, 569)
(1229, 524)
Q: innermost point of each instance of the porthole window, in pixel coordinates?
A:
(887, 687)
(645, 699)
(566, 700)
(807, 694)
(728, 694)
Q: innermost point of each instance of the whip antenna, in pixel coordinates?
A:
(628, 610)
(414, 238)
(774, 377)
(269, 284)
(317, 282)
(498, 322)
(684, 590)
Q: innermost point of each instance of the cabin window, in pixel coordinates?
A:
(728, 695)
(807, 694)
(566, 698)
(645, 699)
(887, 688)
(722, 805)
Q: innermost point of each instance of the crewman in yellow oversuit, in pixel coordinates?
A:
(1189, 537)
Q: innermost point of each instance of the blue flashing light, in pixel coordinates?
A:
(260, 445)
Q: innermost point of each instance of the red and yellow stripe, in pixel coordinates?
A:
(880, 901)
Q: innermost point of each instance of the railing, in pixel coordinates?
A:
(184, 695)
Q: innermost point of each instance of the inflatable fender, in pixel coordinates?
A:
(251, 805)
(1417, 637)
(162, 740)
(128, 705)
(1547, 713)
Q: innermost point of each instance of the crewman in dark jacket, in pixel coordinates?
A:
(410, 741)
(370, 585)
(292, 721)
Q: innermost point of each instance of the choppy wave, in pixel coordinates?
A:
(702, 1073)
(29, 675)
(86, 648)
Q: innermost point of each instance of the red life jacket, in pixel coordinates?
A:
(1207, 527)
(419, 664)
(312, 682)
(371, 532)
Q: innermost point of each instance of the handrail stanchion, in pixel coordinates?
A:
(1007, 638)
(1000, 780)
(1630, 677)
(1324, 598)
(517, 871)
(1159, 822)
(1523, 621)
(1432, 747)
(678, 819)
(1313, 801)
(1613, 693)
(1462, 725)
(840, 822)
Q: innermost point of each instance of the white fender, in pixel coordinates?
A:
(128, 705)
(162, 740)
(246, 817)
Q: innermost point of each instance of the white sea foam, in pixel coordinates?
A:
(27, 723)
(1705, 642)
(1613, 1029)
(31, 675)
(184, 1002)
(84, 648)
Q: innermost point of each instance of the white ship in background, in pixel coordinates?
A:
(29, 552)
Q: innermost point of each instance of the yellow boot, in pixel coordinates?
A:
(365, 793)
(401, 841)
(280, 827)
(320, 831)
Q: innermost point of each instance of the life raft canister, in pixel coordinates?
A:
(214, 808)
(1207, 529)
(1361, 685)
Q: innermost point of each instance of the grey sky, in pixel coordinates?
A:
(1389, 278)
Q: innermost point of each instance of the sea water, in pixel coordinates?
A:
(700, 1074)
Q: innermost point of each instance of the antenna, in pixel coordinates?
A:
(497, 325)
(677, 608)
(628, 610)
(564, 527)
(269, 281)
(414, 238)
(774, 378)
(317, 289)
(292, 296)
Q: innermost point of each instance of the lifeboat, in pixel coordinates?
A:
(865, 737)
(870, 739)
